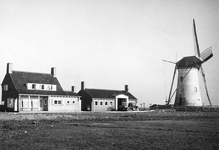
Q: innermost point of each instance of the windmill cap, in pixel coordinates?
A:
(190, 61)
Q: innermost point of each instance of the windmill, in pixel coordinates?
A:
(188, 89)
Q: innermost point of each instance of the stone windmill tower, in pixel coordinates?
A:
(188, 89)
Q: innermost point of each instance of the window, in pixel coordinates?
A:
(105, 103)
(33, 86)
(5, 87)
(96, 103)
(111, 103)
(73, 102)
(45, 102)
(57, 102)
(195, 89)
(42, 87)
(22, 103)
(10, 102)
(101, 103)
(67, 102)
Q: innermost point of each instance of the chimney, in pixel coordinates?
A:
(72, 88)
(82, 85)
(53, 71)
(126, 88)
(9, 68)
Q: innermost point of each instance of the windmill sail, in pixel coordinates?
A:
(197, 52)
(206, 54)
(169, 98)
(206, 89)
(188, 91)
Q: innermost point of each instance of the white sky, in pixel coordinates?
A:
(109, 43)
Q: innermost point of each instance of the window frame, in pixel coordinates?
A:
(5, 87)
(33, 86)
(57, 102)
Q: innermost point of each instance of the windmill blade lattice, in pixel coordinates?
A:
(206, 54)
(197, 51)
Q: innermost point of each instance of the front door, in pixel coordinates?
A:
(44, 103)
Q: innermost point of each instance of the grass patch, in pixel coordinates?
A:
(154, 130)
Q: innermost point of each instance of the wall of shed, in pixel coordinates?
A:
(107, 104)
(67, 103)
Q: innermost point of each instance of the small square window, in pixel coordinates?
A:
(111, 103)
(68, 102)
(55, 102)
(33, 86)
(59, 102)
(96, 103)
(73, 102)
(105, 103)
(101, 103)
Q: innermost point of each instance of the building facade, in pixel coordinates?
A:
(28, 91)
(106, 100)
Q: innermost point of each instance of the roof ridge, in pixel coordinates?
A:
(104, 89)
(31, 72)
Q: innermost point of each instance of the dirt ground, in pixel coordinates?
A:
(113, 130)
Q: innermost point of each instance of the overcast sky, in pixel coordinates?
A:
(110, 43)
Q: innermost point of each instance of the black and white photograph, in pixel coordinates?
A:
(109, 74)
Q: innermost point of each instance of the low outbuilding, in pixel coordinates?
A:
(106, 100)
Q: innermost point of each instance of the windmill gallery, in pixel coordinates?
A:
(187, 92)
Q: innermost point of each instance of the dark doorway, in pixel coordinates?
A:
(180, 101)
(122, 104)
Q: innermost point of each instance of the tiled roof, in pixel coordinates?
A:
(100, 93)
(20, 79)
(71, 93)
